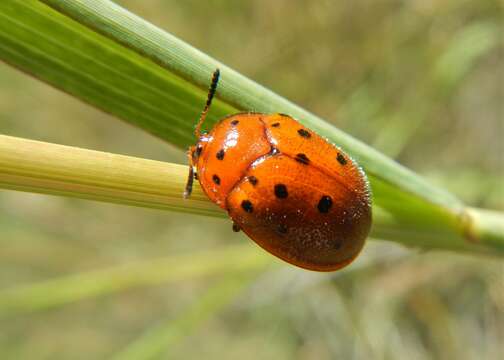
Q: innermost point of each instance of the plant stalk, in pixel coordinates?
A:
(35, 166)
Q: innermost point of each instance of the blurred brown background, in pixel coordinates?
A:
(420, 80)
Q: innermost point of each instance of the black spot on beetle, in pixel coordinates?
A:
(282, 229)
(281, 191)
(234, 122)
(302, 158)
(341, 159)
(220, 154)
(304, 133)
(247, 206)
(216, 179)
(277, 124)
(324, 204)
(253, 180)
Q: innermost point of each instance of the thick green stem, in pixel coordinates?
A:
(35, 166)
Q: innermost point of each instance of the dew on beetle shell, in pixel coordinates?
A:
(231, 139)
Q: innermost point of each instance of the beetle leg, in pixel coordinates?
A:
(190, 177)
(236, 227)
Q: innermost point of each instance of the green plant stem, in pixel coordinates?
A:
(35, 166)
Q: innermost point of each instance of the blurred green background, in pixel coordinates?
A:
(421, 80)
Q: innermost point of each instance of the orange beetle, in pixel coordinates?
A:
(292, 192)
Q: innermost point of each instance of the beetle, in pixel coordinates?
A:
(295, 194)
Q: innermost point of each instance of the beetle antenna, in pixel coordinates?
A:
(211, 93)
